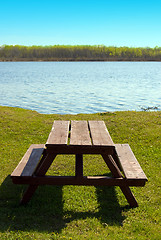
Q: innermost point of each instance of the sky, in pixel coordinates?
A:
(81, 22)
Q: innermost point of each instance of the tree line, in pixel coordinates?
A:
(78, 53)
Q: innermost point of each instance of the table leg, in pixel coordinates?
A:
(116, 159)
(41, 170)
(28, 194)
(129, 196)
(45, 164)
(112, 165)
(79, 165)
(116, 173)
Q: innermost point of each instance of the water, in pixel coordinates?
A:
(80, 87)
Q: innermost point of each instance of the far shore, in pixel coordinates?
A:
(79, 53)
(79, 60)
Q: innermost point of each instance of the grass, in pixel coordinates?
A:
(80, 212)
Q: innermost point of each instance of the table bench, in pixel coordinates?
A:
(79, 138)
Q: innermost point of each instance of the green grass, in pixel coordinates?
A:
(80, 212)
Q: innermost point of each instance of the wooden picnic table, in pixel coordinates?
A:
(79, 138)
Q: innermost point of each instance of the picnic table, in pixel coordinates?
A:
(79, 138)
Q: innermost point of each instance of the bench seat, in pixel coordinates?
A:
(29, 162)
(129, 164)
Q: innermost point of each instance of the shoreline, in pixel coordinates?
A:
(79, 60)
(148, 109)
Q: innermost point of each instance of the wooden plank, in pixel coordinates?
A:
(80, 149)
(59, 133)
(72, 180)
(29, 161)
(129, 163)
(99, 134)
(80, 133)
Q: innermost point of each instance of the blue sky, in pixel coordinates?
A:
(81, 22)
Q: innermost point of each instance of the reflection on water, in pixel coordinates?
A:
(80, 87)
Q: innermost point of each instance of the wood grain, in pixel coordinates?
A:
(100, 134)
(29, 161)
(59, 133)
(129, 163)
(80, 133)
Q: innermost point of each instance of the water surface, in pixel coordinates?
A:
(80, 87)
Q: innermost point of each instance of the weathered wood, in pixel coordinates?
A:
(41, 170)
(79, 165)
(129, 196)
(72, 180)
(129, 163)
(29, 161)
(80, 141)
(116, 173)
(28, 194)
(112, 165)
(80, 133)
(100, 134)
(116, 159)
(59, 133)
(85, 138)
(80, 149)
(45, 164)
(26, 168)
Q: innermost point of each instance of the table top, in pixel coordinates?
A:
(79, 135)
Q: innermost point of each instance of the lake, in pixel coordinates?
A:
(80, 87)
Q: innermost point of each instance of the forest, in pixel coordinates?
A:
(78, 53)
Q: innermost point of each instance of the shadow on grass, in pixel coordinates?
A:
(110, 212)
(44, 213)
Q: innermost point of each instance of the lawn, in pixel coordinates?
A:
(80, 212)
